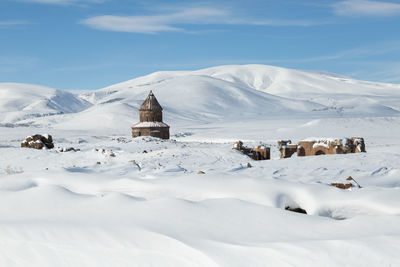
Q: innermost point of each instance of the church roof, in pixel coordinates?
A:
(151, 103)
(151, 124)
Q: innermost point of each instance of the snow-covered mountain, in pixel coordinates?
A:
(24, 102)
(223, 93)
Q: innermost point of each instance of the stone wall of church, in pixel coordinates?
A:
(151, 115)
(160, 132)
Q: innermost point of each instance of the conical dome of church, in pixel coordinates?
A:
(151, 103)
(150, 110)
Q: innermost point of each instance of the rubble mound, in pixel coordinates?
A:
(38, 141)
(260, 152)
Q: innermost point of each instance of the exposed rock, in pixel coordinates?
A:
(201, 172)
(249, 165)
(298, 209)
(68, 149)
(342, 186)
(122, 140)
(38, 141)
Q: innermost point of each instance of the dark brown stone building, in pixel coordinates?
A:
(151, 123)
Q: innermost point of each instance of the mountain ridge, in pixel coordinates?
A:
(219, 93)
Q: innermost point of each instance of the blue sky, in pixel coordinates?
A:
(89, 44)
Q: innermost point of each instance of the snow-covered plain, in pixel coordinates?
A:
(147, 206)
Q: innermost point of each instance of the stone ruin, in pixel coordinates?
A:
(260, 152)
(38, 142)
(312, 147)
(286, 148)
(348, 185)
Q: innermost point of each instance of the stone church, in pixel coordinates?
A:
(151, 123)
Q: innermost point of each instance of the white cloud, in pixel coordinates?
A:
(175, 21)
(9, 23)
(382, 71)
(366, 8)
(62, 2)
(49, 1)
(358, 53)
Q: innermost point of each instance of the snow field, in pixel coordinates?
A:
(66, 209)
(121, 201)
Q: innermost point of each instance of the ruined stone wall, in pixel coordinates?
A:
(337, 146)
(261, 153)
(322, 147)
(308, 148)
(286, 148)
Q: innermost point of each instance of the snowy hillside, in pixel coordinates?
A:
(23, 101)
(256, 91)
(223, 93)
